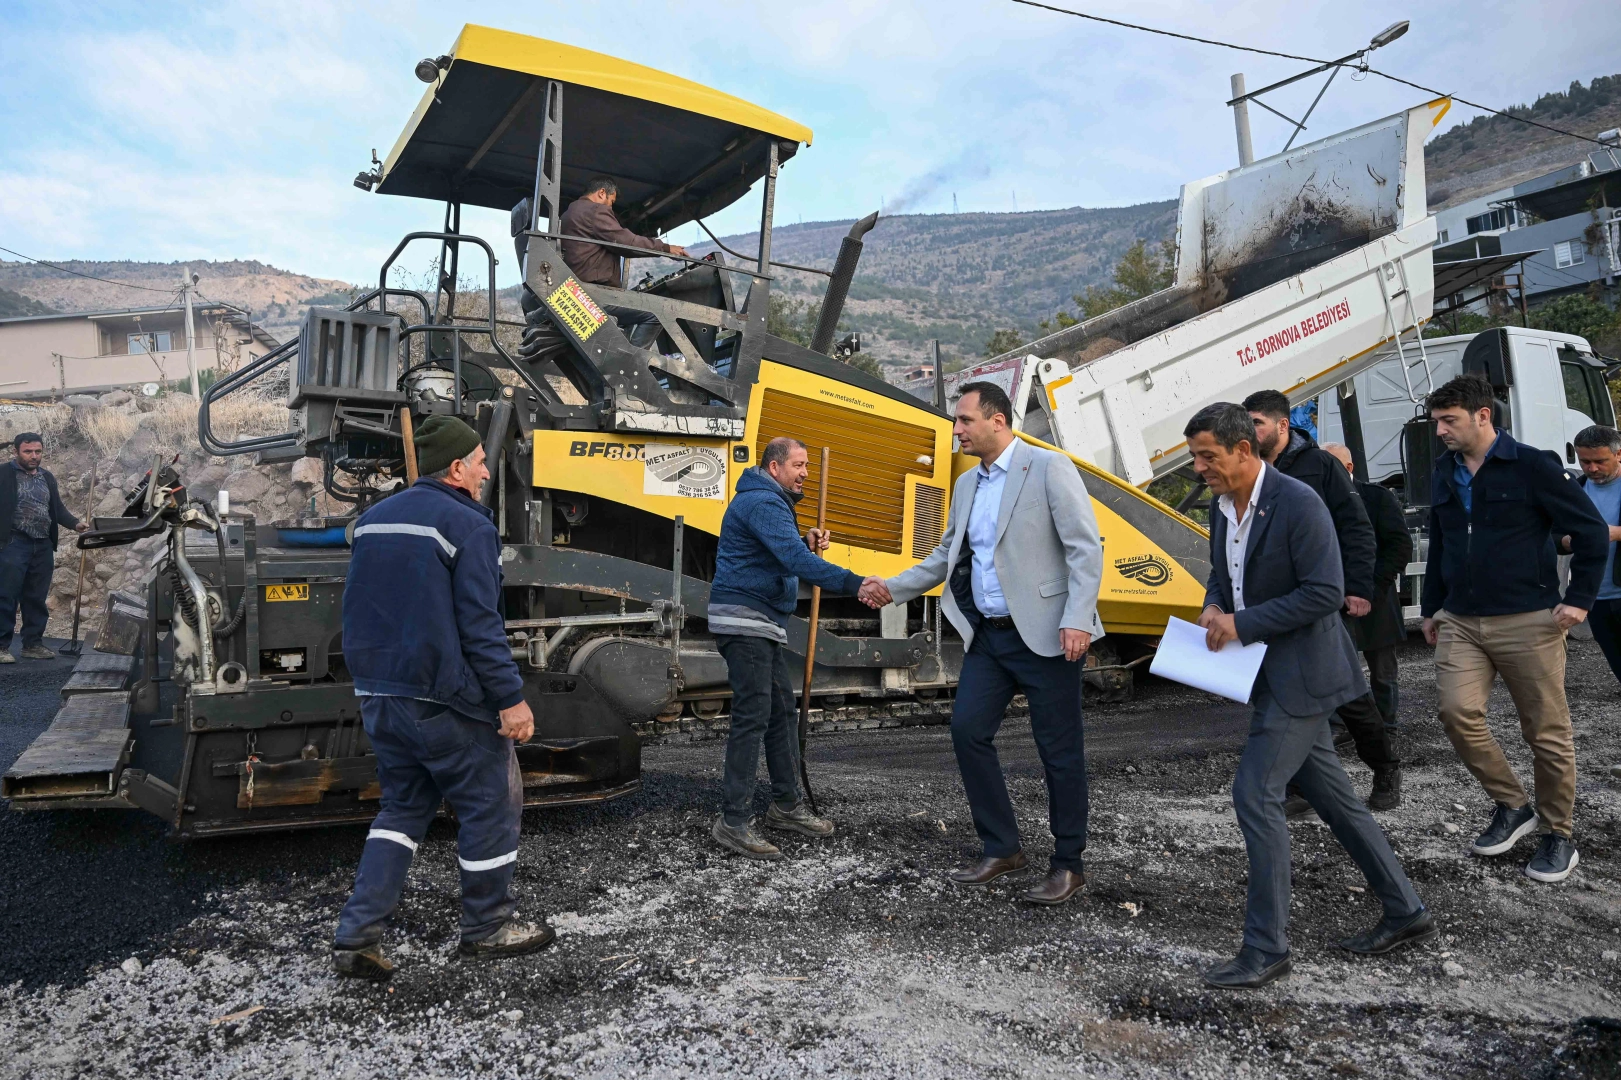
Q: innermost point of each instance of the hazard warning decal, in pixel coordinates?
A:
(574, 307)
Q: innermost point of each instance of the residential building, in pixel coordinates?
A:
(45, 355)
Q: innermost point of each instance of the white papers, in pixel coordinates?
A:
(1183, 658)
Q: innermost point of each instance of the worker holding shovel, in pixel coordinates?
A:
(758, 565)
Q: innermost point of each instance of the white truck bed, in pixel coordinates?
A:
(1292, 273)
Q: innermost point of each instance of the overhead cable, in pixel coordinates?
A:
(1311, 60)
(75, 273)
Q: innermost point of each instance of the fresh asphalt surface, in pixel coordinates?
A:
(61, 868)
(124, 954)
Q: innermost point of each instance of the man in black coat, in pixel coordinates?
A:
(1377, 633)
(1296, 454)
(30, 511)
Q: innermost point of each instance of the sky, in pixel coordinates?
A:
(233, 129)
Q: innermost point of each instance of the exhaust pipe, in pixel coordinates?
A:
(844, 271)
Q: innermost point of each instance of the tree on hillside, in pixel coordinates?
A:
(1003, 341)
(1138, 273)
(795, 321)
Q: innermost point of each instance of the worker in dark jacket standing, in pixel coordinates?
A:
(592, 216)
(441, 698)
(1296, 454)
(759, 563)
(30, 511)
(1491, 607)
(1377, 633)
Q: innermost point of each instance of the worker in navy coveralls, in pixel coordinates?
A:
(442, 700)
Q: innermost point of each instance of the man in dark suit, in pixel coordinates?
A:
(1276, 577)
(30, 511)
(1377, 633)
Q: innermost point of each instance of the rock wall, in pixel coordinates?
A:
(99, 448)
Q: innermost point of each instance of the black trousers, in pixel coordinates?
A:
(1384, 681)
(1605, 619)
(26, 565)
(1367, 727)
(762, 712)
(998, 665)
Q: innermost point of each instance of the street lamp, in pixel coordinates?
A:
(1241, 98)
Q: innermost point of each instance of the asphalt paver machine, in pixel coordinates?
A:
(231, 710)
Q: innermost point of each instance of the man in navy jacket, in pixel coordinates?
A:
(758, 566)
(1276, 577)
(441, 698)
(1491, 607)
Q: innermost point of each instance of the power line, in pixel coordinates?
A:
(75, 273)
(1310, 60)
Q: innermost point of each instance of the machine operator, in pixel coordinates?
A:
(441, 698)
(592, 216)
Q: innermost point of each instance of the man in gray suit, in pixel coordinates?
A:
(1022, 555)
(1276, 577)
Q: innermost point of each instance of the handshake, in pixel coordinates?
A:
(874, 593)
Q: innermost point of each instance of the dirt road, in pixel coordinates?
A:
(123, 955)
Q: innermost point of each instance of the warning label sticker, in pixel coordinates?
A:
(574, 306)
(691, 472)
(287, 592)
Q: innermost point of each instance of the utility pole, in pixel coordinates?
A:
(1241, 121)
(188, 281)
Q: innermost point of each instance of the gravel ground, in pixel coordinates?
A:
(124, 955)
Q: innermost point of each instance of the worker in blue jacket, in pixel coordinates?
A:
(441, 698)
(758, 566)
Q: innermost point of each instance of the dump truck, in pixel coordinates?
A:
(219, 700)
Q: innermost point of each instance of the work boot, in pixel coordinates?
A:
(364, 963)
(799, 819)
(1296, 808)
(6, 657)
(743, 840)
(512, 939)
(1386, 793)
(37, 652)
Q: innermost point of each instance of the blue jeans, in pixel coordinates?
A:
(998, 665)
(1281, 746)
(428, 753)
(26, 564)
(762, 711)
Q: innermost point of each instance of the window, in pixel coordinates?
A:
(1443, 237)
(1578, 395)
(159, 341)
(1569, 253)
(1493, 220)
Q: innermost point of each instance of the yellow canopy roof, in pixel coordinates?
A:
(473, 137)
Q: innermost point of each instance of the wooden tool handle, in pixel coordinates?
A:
(409, 434)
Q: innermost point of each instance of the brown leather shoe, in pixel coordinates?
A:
(1060, 886)
(987, 869)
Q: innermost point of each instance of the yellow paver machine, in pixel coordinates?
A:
(613, 463)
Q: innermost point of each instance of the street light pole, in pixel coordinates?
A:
(187, 282)
(1241, 121)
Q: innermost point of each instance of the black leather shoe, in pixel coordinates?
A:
(1060, 885)
(1248, 970)
(1296, 808)
(1389, 935)
(1386, 793)
(987, 869)
(363, 963)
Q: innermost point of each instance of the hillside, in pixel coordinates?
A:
(13, 304)
(1493, 152)
(276, 298)
(961, 277)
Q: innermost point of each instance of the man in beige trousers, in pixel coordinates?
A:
(1491, 607)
